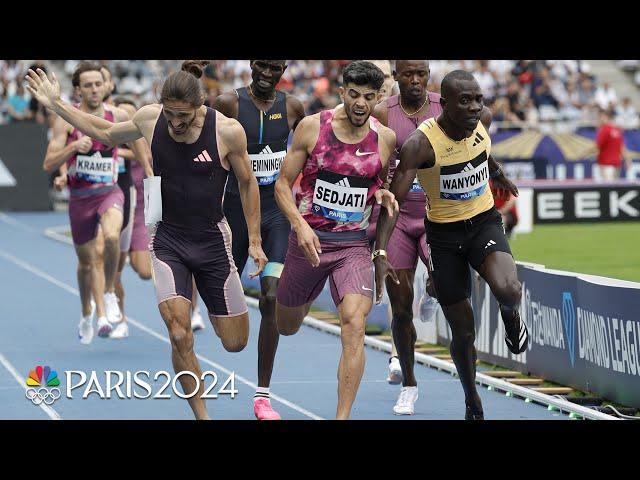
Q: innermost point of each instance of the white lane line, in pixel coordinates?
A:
(53, 415)
(15, 223)
(153, 333)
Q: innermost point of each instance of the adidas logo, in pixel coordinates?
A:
(266, 149)
(203, 157)
(489, 243)
(344, 183)
(467, 168)
(479, 138)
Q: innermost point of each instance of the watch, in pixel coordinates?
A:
(378, 253)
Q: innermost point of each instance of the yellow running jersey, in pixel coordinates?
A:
(457, 185)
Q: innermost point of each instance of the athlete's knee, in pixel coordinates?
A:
(235, 343)
(111, 240)
(268, 301)
(144, 274)
(353, 325)
(289, 319)
(289, 326)
(181, 338)
(463, 337)
(85, 266)
(509, 292)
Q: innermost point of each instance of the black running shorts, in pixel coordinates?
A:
(456, 245)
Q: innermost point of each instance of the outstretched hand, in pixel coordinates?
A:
(45, 91)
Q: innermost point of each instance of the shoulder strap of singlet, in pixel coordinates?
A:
(392, 101)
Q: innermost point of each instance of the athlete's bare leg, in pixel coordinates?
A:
(175, 313)
(404, 332)
(87, 277)
(462, 348)
(353, 311)
(119, 287)
(140, 261)
(289, 319)
(233, 331)
(268, 337)
(111, 223)
(99, 263)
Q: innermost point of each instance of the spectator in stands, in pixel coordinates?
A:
(610, 144)
(626, 115)
(18, 104)
(585, 92)
(532, 117)
(487, 81)
(605, 97)
(516, 98)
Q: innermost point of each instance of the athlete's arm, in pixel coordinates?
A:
(304, 137)
(387, 142)
(235, 140)
(381, 113)
(416, 153)
(138, 150)
(295, 111)
(57, 151)
(227, 104)
(111, 134)
(501, 181)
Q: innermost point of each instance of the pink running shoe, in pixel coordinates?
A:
(263, 410)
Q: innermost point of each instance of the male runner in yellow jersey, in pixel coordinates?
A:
(451, 156)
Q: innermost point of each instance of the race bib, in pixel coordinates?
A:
(342, 198)
(266, 159)
(152, 200)
(464, 181)
(121, 165)
(95, 168)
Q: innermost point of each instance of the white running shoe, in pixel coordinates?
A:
(114, 315)
(406, 401)
(395, 371)
(197, 323)
(120, 331)
(104, 327)
(85, 327)
(85, 330)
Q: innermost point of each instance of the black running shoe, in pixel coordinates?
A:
(471, 415)
(516, 335)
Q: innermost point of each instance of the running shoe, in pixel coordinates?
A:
(85, 330)
(197, 323)
(264, 411)
(395, 371)
(104, 327)
(113, 310)
(85, 327)
(471, 415)
(120, 331)
(516, 335)
(406, 401)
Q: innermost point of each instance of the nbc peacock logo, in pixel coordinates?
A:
(46, 380)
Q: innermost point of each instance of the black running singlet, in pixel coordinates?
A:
(267, 135)
(193, 178)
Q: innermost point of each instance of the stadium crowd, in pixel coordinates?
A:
(520, 92)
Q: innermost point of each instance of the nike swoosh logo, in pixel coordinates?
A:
(365, 288)
(360, 154)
